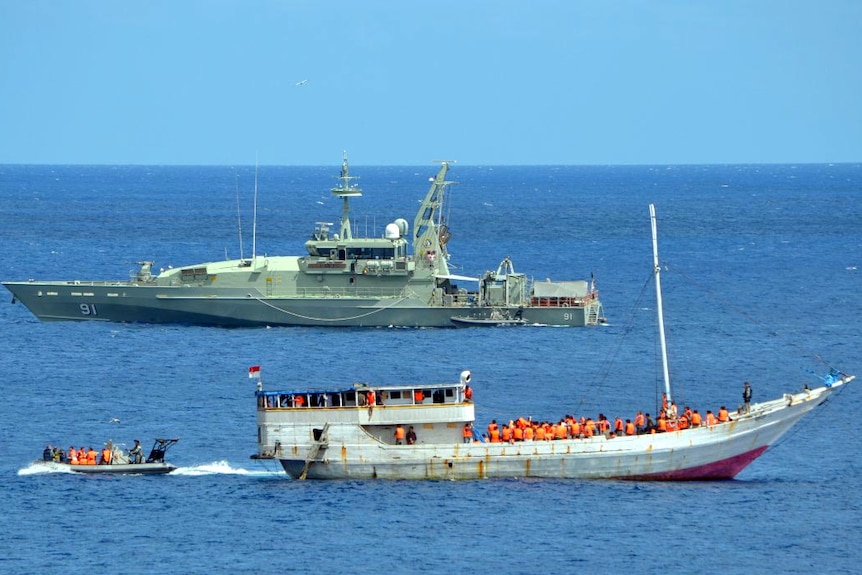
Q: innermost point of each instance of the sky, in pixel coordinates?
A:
(483, 82)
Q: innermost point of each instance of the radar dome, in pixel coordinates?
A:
(402, 226)
(392, 232)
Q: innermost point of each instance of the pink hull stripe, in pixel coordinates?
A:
(724, 469)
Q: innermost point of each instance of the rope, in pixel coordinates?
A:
(605, 370)
(751, 318)
(323, 319)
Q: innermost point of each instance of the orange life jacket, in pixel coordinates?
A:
(399, 433)
(723, 415)
(630, 428)
(560, 432)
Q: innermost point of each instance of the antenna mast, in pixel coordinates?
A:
(254, 224)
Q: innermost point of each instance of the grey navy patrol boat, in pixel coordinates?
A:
(400, 279)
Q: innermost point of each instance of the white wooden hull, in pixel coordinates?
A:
(350, 451)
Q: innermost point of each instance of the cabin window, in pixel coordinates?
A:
(395, 395)
(193, 274)
(366, 253)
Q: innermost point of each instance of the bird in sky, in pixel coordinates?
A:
(301, 82)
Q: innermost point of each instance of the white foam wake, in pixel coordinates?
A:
(218, 468)
(40, 467)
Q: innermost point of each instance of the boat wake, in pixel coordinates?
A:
(219, 468)
(42, 468)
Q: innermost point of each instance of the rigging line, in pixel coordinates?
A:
(607, 365)
(799, 428)
(734, 307)
(323, 319)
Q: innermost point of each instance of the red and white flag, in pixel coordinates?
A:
(254, 372)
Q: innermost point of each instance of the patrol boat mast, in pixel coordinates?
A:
(346, 191)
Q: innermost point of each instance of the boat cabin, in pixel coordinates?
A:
(362, 396)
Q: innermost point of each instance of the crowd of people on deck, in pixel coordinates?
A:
(89, 456)
(570, 427)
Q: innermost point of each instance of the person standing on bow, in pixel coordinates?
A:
(746, 396)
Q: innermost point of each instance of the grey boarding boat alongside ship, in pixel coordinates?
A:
(401, 279)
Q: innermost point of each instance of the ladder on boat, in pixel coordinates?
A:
(593, 314)
(311, 457)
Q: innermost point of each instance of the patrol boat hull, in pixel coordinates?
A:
(229, 307)
(399, 279)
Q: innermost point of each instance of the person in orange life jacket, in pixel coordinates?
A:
(494, 431)
(467, 433)
(468, 393)
(399, 435)
(640, 422)
(723, 415)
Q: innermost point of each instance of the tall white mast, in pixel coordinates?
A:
(239, 221)
(254, 222)
(657, 272)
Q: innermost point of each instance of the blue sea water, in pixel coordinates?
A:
(761, 282)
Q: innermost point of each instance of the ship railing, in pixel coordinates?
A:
(357, 397)
(350, 292)
(562, 301)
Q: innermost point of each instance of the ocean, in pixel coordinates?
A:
(761, 283)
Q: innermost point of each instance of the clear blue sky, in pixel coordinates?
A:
(406, 82)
